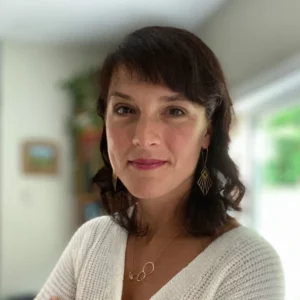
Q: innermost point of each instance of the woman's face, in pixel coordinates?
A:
(154, 136)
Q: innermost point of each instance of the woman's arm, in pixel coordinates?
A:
(63, 279)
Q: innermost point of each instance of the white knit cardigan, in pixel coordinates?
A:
(239, 265)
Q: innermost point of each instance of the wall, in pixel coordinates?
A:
(250, 37)
(38, 214)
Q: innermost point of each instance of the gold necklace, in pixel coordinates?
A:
(149, 266)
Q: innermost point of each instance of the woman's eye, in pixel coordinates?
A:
(176, 112)
(123, 110)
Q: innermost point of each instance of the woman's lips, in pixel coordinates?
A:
(147, 164)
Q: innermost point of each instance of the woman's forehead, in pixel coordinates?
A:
(130, 82)
(135, 90)
(122, 74)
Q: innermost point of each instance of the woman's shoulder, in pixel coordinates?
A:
(243, 243)
(248, 260)
(91, 232)
(248, 242)
(249, 253)
(95, 228)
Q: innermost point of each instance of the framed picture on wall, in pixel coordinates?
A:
(40, 157)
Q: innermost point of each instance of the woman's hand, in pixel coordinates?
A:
(54, 298)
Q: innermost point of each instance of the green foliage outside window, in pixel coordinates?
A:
(283, 168)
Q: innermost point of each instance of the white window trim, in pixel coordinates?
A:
(271, 90)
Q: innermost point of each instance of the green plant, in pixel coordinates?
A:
(83, 91)
(85, 126)
(284, 129)
(82, 88)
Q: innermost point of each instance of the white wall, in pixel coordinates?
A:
(250, 37)
(38, 214)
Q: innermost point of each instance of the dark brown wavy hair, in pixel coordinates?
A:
(181, 61)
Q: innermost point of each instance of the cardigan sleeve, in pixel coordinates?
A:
(256, 274)
(62, 281)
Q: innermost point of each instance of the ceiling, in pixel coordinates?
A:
(96, 21)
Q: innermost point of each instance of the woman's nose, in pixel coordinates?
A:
(147, 133)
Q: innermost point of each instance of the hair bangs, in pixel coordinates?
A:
(161, 60)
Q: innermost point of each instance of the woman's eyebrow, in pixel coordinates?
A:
(167, 98)
(175, 97)
(120, 95)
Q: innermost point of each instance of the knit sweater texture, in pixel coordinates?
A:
(238, 265)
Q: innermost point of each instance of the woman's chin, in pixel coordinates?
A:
(145, 192)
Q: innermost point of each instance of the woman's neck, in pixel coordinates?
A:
(159, 220)
(163, 216)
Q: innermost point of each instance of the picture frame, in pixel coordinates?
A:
(40, 157)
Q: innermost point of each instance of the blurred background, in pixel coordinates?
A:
(50, 52)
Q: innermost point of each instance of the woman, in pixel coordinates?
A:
(168, 184)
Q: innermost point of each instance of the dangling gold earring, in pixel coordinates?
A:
(205, 181)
